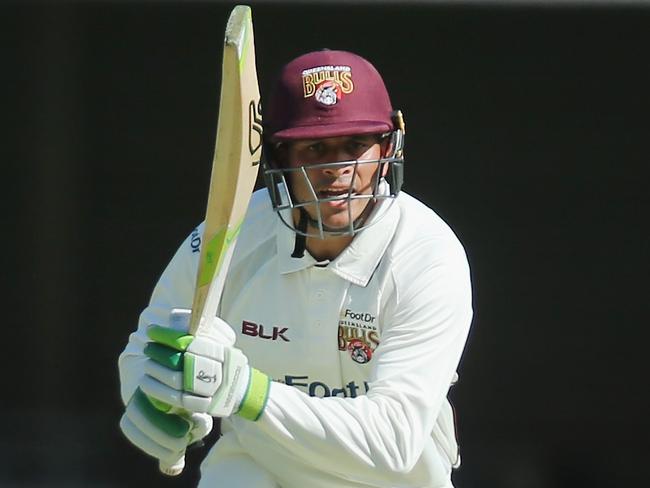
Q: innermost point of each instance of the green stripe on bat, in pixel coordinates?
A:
(215, 250)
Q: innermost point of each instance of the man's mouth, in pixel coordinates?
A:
(335, 193)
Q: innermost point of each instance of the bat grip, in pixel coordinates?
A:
(173, 469)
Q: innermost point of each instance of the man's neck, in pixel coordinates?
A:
(329, 248)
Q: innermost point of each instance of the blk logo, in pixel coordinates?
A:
(254, 330)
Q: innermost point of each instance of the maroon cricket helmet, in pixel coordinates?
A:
(327, 94)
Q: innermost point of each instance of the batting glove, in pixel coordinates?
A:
(164, 436)
(202, 374)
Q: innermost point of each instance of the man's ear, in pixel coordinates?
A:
(384, 169)
(281, 154)
(387, 147)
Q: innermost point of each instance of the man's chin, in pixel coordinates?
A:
(339, 228)
(336, 222)
(332, 226)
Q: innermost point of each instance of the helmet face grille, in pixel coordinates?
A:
(284, 202)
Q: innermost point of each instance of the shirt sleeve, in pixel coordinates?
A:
(384, 432)
(174, 289)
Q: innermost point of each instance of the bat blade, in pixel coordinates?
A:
(234, 171)
(235, 164)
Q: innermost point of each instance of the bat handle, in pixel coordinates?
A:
(173, 469)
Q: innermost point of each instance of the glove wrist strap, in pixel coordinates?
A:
(257, 394)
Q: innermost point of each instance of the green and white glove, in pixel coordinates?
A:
(159, 430)
(202, 374)
(164, 436)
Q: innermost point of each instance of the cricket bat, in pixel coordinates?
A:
(234, 172)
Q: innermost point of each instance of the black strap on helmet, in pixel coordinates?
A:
(301, 240)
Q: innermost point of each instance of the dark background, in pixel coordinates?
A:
(527, 132)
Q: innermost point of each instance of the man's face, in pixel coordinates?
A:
(335, 181)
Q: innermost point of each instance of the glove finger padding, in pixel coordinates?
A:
(218, 329)
(170, 423)
(146, 444)
(200, 360)
(161, 435)
(202, 374)
(215, 377)
(175, 399)
(202, 426)
(169, 377)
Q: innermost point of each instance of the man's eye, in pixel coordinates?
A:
(316, 148)
(357, 146)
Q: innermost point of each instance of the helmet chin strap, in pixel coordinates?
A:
(301, 240)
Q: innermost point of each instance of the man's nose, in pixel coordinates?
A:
(344, 164)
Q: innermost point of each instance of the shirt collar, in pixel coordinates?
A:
(286, 239)
(359, 259)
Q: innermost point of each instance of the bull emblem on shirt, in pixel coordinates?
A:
(359, 351)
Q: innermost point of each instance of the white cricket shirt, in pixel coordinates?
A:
(362, 350)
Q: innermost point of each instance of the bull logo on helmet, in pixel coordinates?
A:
(328, 93)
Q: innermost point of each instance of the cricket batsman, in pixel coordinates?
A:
(345, 313)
